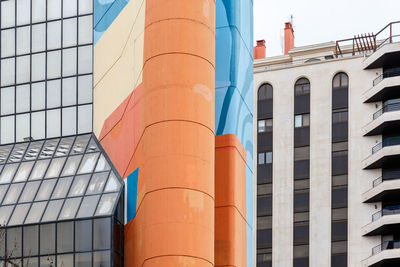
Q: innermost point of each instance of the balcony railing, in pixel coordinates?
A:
(386, 74)
(377, 182)
(391, 210)
(391, 141)
(386, 108)
(386, 245)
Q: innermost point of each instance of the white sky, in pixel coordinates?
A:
(317, 21)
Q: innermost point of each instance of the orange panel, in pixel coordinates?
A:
(230, 202)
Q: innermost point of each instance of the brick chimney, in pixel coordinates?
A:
(259, 50)
(289, 37)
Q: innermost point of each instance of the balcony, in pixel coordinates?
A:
(385, 254)
(386, 55)
(387, 119)
(383, 188)
(385, 153)
(386, 86)
(384, 222)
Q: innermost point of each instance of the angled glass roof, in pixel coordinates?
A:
(56, 179)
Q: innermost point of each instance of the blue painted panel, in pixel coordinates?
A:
(105, 12)
(131, 199)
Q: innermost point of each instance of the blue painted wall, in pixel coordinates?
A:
(234, 87)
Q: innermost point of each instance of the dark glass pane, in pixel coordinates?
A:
(101, 259)
(83, 235)
(118, 236)
(14, 241)
(339, 198)
(65, 238)
(264, 205)
(301, 235)
(302, 262)
(31, 241)
(264, 238)
(47, 239)
(339, 231)
(118, 260)
(101, 233)
(2, 242)
(339, 260)
(83, 259)
(301, 201)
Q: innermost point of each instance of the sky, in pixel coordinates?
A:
(317, 21)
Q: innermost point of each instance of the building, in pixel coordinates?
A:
(328, 153)
(134, 113)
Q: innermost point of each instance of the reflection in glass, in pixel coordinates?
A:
(79, 186)
(102, 164)
(39, 169)
(65, 238)
(31, 240)
(23, 171)
(101, 233)
(70, 207)
(62, 187)
(65, 260)
(14, 240)
(36, 212)
(47, 238)
(112, 184)
(97, 183)
(55, 167)
(52, 210)
(83, 259)
(83, 235)
(13, 194)
(88, 163)
(106, 204)
(71, 166)
(45, 189)
(5, 213)
(3, 189)
(29, 191)
(101, 259)
(88, 206)
(8, 173)
(19, 214)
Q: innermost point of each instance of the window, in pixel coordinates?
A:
(265, 126)
(265, 92)
(302, 87)
(302, 120)
(301, 153)
(340, 81)
(340, 116)
(264, 158)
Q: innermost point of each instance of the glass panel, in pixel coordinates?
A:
(47, 261)
(7, 43)
(65, 238)
(69, 121)
(38, 10)
(85, 89)
(79, 186)
(7, 100)
(53, 35)
(39, 169)
(38, 125)
(53, 64)
(88, 206)
(85, 7)
(36, 212)
(23, 127)
(52, 210)
(18, 152)
(69, 61)
(69, 8)
(268, 157)
(23, 98)
(85, 29)
(80, 144)
(47, 239)
(33, 151)
(85, 59)
(71, 166)
(70, 207)
(19, 214)
(83, 259)
(83, 235)
(38, 37)
(55, 167)
(113, 184)
(5, 213)
(65, 260)
(13, 193)
(31, 262)
(39, 61)
(23, 171)
(101, 233)
(102, 164)
(29, 191)
(88, 163)
(23, 40)
(38, 96)
(49, 148)
(4, 153)
(7, 130)
(7, 13)
(298, 121)
(65, 146)
(54, 94)
(45, 190)
(97, 183)
(261, 158)
(53, 123)
(101, 259)
(14, 241)
(53, 9)
(69, 32)
(106, 204)
(7, 71)
(62, 187)
(23, 69)
(8, 173)
(23, 12)
(92, 146)
(69, 91)
(3, 189)
(31, 241)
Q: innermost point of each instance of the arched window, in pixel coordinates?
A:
(265, 92)
(302, 87)
(340, 81)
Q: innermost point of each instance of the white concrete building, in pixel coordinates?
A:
(328, 149)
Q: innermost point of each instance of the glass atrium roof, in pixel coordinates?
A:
(56, 179)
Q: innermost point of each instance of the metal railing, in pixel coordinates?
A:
(390, 141)
(387, 74)
(391, 210)
(377, 181)
(392, 244)
(386, 108)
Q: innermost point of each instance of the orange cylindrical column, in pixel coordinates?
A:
(174, 225)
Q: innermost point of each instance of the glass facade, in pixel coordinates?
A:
(61, 204)
(45, 69)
